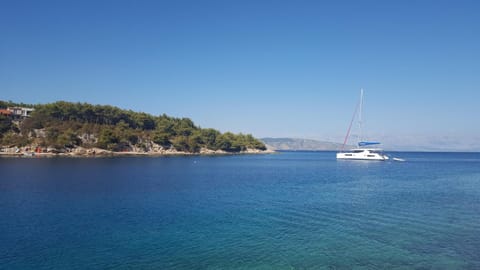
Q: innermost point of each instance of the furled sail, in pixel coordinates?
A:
(367, 143)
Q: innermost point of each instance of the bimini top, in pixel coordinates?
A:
(367, 143)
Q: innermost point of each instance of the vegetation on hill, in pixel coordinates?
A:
(67, 125)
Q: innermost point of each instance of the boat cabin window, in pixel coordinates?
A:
(357, 151)
(348, 155)
(370, 155)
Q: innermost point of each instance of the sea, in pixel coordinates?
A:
(289, 210)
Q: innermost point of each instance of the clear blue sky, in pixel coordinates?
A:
(270, 68)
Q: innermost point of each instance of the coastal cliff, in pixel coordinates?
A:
(81, 129)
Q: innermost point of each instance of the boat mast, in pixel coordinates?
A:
(360, 115)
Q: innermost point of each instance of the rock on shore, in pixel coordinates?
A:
(156, 150)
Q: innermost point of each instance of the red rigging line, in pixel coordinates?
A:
(350, 126)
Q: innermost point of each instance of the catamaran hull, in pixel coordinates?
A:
(361, 156)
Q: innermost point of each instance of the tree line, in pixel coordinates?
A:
(67, 125)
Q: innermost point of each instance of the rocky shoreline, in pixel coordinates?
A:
(98, 152)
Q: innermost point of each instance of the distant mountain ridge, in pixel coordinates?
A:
(297, 144)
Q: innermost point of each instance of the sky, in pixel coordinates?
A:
(269, 68)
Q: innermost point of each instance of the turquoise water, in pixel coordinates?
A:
(292, 210)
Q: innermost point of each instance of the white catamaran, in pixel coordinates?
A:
(363, 151)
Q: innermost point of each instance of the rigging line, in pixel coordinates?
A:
(350, 126)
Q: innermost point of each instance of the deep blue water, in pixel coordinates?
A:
(291, 210)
